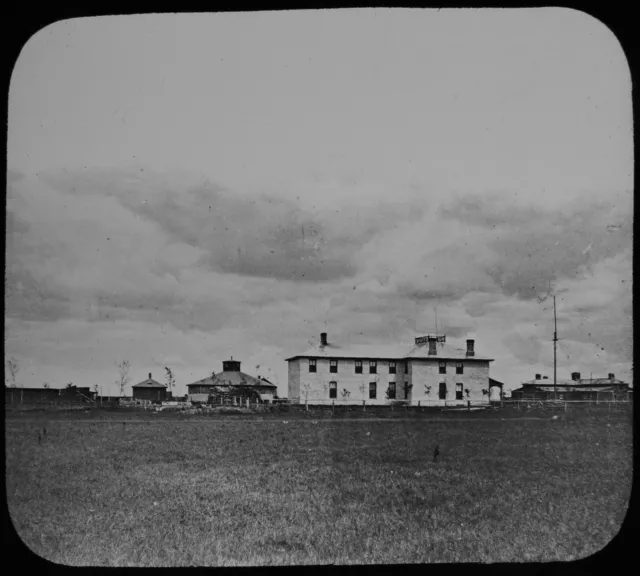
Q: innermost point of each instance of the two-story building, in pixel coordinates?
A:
(431, 372)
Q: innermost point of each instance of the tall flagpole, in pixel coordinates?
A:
(555, 341)
(436, 313)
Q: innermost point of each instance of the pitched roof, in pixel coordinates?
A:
(231, 379)
(444, 352)
(569, 382)
(353, 351)
(149, 383)
(388, 351)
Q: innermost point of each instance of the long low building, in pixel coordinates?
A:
(431, 372)
(231, 382)
(576, 388)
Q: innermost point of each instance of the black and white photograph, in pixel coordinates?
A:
(319, 287)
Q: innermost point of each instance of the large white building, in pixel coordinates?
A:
(431, 372)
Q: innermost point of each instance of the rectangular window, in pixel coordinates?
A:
(312, 365)
(372, 389)
(333, 389)
(459, 368)
(392, 367)
(333, 366)
(392, 390)
(459, 391)
(406, 367)
(442, 391)
(443, 367)
(373, 367)
(358, 366)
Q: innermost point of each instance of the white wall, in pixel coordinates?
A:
(346, 378)
(426, 372)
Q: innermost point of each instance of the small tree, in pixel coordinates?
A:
(363, 391)
(123, 375)
(170, 379)
(306, 390)
(467, 392)
(46, 385)
(345, 394)
(427, 390)
(407, 390)
(69, 385)
(13, 367)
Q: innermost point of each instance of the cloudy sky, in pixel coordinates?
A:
(183, 189)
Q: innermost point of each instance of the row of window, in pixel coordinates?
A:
(391, 390)
(373, 367)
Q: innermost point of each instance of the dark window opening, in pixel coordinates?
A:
(406, 368)
(372, 390)
(312, 366)
(443, 367)
(459, 368)
(392, 390)
(373, 367)
(333, 389)
(459, 391)
(358, 366)
(442, 391)
(392, 367)
(333, 366)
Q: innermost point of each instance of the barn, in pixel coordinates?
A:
(576, 388)
(231, 383)
(149, 389)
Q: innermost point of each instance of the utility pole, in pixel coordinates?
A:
(436, 315)
(555, 342)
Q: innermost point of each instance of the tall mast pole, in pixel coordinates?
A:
(436, 314)
(555, 341)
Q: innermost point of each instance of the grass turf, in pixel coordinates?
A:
(227, 492)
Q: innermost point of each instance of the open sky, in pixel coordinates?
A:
(186, 188)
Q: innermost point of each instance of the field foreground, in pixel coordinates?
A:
(230, 492)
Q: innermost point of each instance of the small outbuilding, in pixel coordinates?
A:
(495, 390)
(576, 388)
(150, 389)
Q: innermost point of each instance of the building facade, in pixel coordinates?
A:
(150, 389)
(430, 373)
(576, 388)
(231, 382)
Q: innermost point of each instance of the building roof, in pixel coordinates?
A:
(233, 378)
(387, 352)
(545, 382)
(445, 352)
(149, 383)
(493, 382)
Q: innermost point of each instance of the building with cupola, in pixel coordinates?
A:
(431, 372)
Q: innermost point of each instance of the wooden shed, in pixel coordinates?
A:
(151, 390)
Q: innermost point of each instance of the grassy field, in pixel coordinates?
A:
(160, 490)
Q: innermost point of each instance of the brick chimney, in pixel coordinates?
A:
(149, 375)
(470, 349)
(432, 347)
(538, 376)
(575, 376)
(323, 339)
(612, 376)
